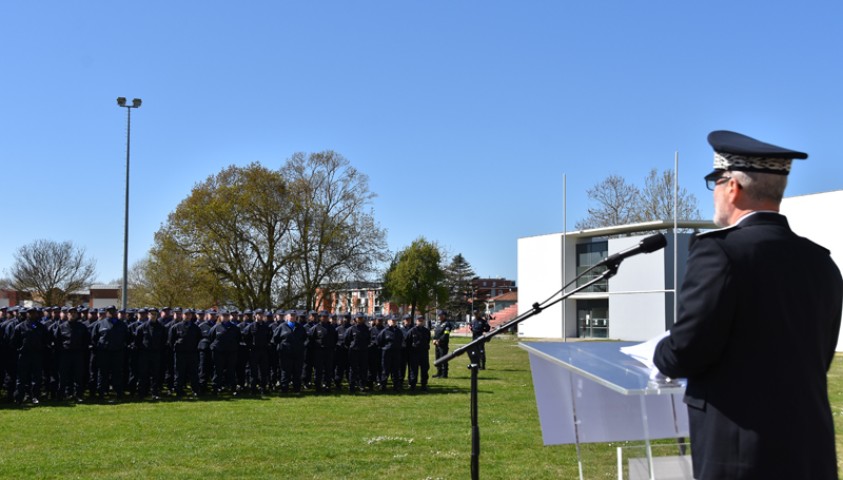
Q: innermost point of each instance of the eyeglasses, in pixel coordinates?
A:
(711, 183)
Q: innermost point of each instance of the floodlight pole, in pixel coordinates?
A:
(136, 102)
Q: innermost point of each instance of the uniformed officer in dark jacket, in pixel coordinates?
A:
(390, 340)
(28, 340)
(323, 342)
(341, 352)
(110, 336)
(72, 339)
(406, 325)
(375, 356)
(357, 340)
(758, 323)
(225, 343)
(258, 337)
(418, 341)
(289, 339)
(479, 326)
(206, 359)
(441, 339)
(183, 339)
(150, 341)
(8, 376)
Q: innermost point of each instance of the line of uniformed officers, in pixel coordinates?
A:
(66, 352)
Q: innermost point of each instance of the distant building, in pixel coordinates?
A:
(635, 304)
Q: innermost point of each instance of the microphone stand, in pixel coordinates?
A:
(473, 347)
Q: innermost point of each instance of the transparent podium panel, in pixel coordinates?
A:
(592, 392)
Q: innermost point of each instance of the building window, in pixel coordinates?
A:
(593, 318)
(588, 255)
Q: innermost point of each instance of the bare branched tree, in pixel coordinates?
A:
(616, 203)
(50, 270)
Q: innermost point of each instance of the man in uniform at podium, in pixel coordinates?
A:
(759, 317)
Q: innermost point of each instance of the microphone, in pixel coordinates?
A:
(647, 245)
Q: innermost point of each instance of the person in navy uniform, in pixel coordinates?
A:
(206, 358)
(479, 326)
(759, 317)
(322, 339)
(110, 336)
(257, 337)
(418, 339)
(150, 342)
(72, 339)
(357, 339)
(405, 327)
(441, 339)
(225, 343)
(28, 340)
(375, 356)
(390, 340)
(183, 339)
(341, 352)
(289, 339)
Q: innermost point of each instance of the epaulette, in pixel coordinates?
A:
(719, 230)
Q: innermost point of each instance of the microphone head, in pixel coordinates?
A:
(652, 243)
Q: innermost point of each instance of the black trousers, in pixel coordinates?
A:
(358, 362)
(259, 368)
(323, 366)
(110, 371)
(225, 370)
(290, 362)
(340, 365)
(419, 364)
(150, 372)
(441, 351)
(390, 364)
(28, 378)
(186, 369)
(72, 373)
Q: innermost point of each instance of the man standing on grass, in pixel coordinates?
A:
(759, 317)
(441, 339)
(418, 340)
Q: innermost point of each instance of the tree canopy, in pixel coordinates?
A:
(614, 201)
(416, 278)
(255, 237)
(52, 270)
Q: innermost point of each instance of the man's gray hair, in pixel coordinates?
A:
(767, 187)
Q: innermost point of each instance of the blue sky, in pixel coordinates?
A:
(464, 115)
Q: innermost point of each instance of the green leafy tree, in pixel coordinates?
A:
(416, 278)
(458, 277)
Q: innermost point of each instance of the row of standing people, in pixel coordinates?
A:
(68, 351)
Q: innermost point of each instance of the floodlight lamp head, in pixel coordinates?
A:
(136, 102)
(121, 101)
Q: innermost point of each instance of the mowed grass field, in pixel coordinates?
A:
(333, 436)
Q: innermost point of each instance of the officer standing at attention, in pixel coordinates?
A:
(441, 338)
(759, 317)
(323, 342)
(406, 325)
(110, 336)
(479, 326)
(341, 352)
(418, 340)
(289, 337)
(183, 339)
(72, 339)
(225, 344)
(29, 339)
(151, 341)
(357, 339)
(390, 340)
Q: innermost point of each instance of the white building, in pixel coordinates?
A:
(638, 303)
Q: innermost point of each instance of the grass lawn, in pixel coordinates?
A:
(414, 436)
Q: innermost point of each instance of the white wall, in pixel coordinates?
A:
(539, 277)
(816, 217)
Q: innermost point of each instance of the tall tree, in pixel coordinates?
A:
(234, 226)
(616, 203)
(416, 278)
(52, 270)
(657, 198)
(333, 236)
(458, 277)
(619, 203)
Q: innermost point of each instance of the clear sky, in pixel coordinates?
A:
(464, 114)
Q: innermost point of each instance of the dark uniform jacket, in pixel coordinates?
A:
(258, 335)
(419, 338)
(110, 334)
(184, 337)
(479, 327)
(323, 336)
(390, 338)
(224, 337)
(72, 336)
(290, 339)
(442, 332)
(151, 336)
(759, 316)
(29, 337)
(357, 337)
